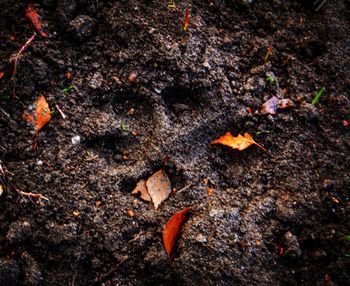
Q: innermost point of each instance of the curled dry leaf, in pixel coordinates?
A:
(39, 113)
(142, 189)
(240, 142)
(157, 188)
(274, 103)
(172, 229)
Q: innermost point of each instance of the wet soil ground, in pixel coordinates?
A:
(148, 96)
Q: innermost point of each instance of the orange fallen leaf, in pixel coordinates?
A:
(142, 189)
(40, 113)
(68, 75)
(158, 187)
(210, 191)
(76, 213)
(131, 213)
(240, 142)
(172, 230)
(274, 103)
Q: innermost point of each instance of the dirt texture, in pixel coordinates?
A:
(147, 96)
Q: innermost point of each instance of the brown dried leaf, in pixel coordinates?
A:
(158, 187)
(172, 230)
(240, 142)
(142, 189)
(274, 103)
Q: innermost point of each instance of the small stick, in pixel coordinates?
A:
(4, 112)
(321, 3)
(185, 188)
(14, 60)
(61, 112)
(26, 194)
(32, 195)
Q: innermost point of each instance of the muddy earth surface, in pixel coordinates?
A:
(147, 95)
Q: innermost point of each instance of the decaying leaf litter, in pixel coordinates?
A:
(179, 117)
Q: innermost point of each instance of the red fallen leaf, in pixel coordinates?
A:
(274, 103)
(40, 113)
(35, 20)
(187, 18)
(240, 142)
(172, 230)
(2, 75)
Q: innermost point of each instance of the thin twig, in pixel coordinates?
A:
(185, 188)
(25, 194)
(61, 112)
(32, 195)
(14, 59)
(320, 4)
(4, 112)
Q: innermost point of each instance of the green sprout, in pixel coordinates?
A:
(317, 174)
(347, 237)
(70, 89)
(318, 95)
(171, 5)
(263, 132)
(124, 127)
(270, 79)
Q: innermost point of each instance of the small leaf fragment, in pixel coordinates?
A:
(274, 103)
(187, 17)
(39, 114)
(172, 229)
(142, 189)
(240, 142)
(158, 187)
(35, 20)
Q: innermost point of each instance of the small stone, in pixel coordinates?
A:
(201, 238)
(9, 272)
(132, 77)
(291, 245)
(82, 27)
(158, 90)
(39, 162)
(319, 254)
(19, 231)
(327, 185)
(76, 140)
(96, 263)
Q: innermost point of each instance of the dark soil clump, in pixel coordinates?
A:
(139, 94)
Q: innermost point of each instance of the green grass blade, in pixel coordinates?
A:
(318, 96)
